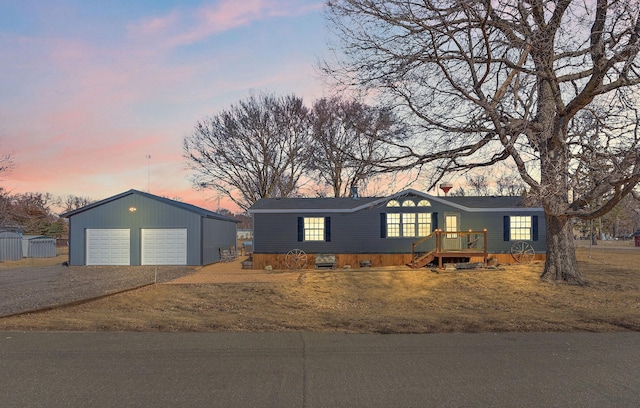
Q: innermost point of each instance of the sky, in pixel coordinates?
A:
(90, 89)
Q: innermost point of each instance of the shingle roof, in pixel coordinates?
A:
(340, 203)
(343, 204)
(188, 207)
(487, 202)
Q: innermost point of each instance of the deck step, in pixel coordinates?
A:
(421, 260)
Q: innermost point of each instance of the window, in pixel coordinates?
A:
(520, 228)
(314, 228)
(393, 203)
(424, 203)
(408, 203)
(393, 225)
(406, 225)
(424, 224)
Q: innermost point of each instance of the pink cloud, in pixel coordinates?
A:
(155, 25)
(90, 112)
(182, 29)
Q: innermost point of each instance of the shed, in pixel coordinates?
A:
(38, 246)
(138, 228)
(10, 246)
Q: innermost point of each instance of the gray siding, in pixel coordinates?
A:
(149, 214)
(217, 234)
(38, 247)
(360, 232)
(10, 246)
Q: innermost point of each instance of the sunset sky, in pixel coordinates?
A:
(89, 88)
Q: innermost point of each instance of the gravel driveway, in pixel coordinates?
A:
(26, 289)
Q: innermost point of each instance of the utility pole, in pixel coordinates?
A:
(148, 173)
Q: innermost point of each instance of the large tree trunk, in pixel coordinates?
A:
(561, 264)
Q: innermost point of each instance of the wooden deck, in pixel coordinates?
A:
(449, 245)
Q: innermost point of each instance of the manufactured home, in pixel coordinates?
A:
(409, 227)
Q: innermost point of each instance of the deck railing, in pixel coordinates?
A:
(452, 244)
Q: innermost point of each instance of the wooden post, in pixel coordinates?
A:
(439, 247)
(484, 248)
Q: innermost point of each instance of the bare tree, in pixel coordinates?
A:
(5, 207)
(478, 185)
(6, 164)
(72, 202)
(510, 185)
(348, 138)
(254, 150)
(500, 81)
(32, 212)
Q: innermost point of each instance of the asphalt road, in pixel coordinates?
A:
(319, 370)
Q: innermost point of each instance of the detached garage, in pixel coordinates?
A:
(137, 228)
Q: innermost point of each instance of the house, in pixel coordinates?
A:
(137, 228)
(394, 230)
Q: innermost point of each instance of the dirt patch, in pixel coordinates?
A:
(232, 272)
(223, 297)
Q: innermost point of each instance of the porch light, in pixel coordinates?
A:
(132, 209)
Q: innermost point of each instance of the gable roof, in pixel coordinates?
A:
(303, 204)
(487, 202)
(346, 205)
(188, 207)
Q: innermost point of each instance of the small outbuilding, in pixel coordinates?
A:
(138, 228)
(38, 246)
(10, 246)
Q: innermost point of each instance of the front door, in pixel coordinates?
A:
(452, 241)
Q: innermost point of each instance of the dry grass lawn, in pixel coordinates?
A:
(385, 300)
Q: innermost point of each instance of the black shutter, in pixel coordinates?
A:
(327, 229)
(300, 229)
(507, 228)
(534, 227)
(383, 225)
(434, 221)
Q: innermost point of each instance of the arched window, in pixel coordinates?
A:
(424, 203)
(408, 203)
(393, 203)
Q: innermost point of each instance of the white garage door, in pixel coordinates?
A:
(164, 246)
(108, 246)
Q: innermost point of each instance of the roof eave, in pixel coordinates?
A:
(391, 197)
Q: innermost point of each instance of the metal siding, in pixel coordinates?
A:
(350, 233)
(216, 234)
(10, 246)
(494, 223)
(38, 247)
(149, 214)
(360, 232)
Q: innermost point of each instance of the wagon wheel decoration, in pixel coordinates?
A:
(522, 252)
(295, 259)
